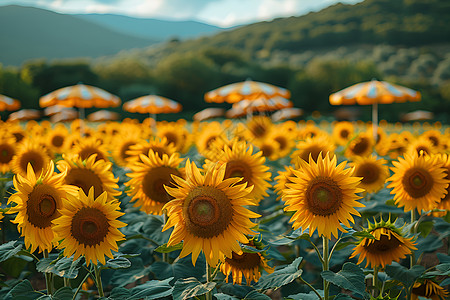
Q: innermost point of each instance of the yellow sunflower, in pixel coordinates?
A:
(33, 153)
(389, 244)
(313, 147)
(258, 127)
(394, 146)
(159, 146)
(435, 137)
(208, 214)
(175, 134)
(444, 160)
(87, 146)
(120, 147)
(374, 172)
(88, 227)
(247, 265)
(90, 173)
(7, 152)
(241, 162)
(149, 178)
(428, 289)
(309, 131)
(323, 196)
(37, 201)
(342, 132)
(421, 145)
(269, 148)
(56, 139)
(206, 135)
(361, 145)
(284, 139)
(282, 179)
(418, 182)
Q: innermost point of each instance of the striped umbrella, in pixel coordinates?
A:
(209, 113)
(248, 89)
(25, 114)
(7, 103)
(103, 115)
(80, 95)
(262, 104)
(374, 92)
(287, 113)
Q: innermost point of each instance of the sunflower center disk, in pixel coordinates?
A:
(85, 179)
(208, 210)
(344, 133)
(282, 142)
(385, 243)
(237, 169)
(89, 226)
(34, 158)
(57, 141)
(245, 261)
(88, 151)
(417, 182)
(41, 206)
(361, 146)
(323, 196)
(154, 181)
(369, 172)
(7, 154)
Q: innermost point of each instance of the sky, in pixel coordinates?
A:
(222, 13)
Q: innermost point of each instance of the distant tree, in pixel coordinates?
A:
(12, 85)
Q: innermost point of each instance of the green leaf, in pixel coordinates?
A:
(443, 258)
(130, 275)
(181, 269)
(341, 296)
(191, 287)
(63, 266)
(254, 295)
(441, 270)
(221, 296)
(351, 278)
(425, 228)
(303, 296)
(249, 249)
(281, 276)
(8, 250)
(23, 291)
(404, 275)
(153, 289)
(363, 234)
(119, 262)
(63, 294)
(165, 249)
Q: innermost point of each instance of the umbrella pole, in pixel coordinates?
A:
(375, 121)
(82, 121)
(153, 120)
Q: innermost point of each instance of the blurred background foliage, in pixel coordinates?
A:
(405, 42)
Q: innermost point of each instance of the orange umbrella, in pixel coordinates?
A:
(64, 116)
(209, 113)
(25, 114)
(52, 110)
(374, 92)
(262, 104)
(418, 115)
(248, 89)
(287, 113)
(103, 115)
(235, 113)
(7, 103)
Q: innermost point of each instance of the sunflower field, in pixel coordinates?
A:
(224, 210)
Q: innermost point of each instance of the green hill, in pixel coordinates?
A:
(27, 33)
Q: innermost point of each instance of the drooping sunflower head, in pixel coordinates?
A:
(36, 203)
(89, 173)
(360, 145)
(86, 147)
(429, 289)
(322, 195)
(208, 213)
(313, 147)
(373, 171)
(342, 132)
(248, 265)
(30, 153)
(388, 244)
(242, 163)
(88, 226)
(149, 178)
(7, 152)
(418, 182)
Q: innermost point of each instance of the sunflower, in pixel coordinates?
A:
(421, 145)
(18, 133)
(360, 145)
(206, 135)
(418, 182)
(342, 132)
(149, 178)
(284, 139)
(373, 171)
(269, 148)
(258, 127)
(428, 289)
(7, 152)
(322, 195)
(33, 153)
(90, 173)
(208, 213)
(444, 204)
(313, 147)
(394, 146)
(282, 179)
(56, 139)
(175, 134)
(37, 201)
(310, 131)
(159, 146)
(241, 162)
(389, 244)
(247, 265)
(120, 147)
(435, 137)
(88, 227)
(87, 146)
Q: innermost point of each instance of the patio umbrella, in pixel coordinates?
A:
(103, 115)
(7, 103)
(209, 113)
(25, 115)
(52, 110)
(374, 92)
(418, 115)
(153, 105)
(262, 104)
(287, 113)
(248, 89)
(66, 115)
(235, 113)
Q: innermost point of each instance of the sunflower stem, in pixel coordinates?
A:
(98, 280)
(311, 287)
(375, 281)
(165, 256)
(214, 274)
(67, 282)
(208, 295)
(48, 278)
(81, 285)
(413, 219)
(317, 251)
(325, 267)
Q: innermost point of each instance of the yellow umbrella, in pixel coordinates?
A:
(374, 92)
